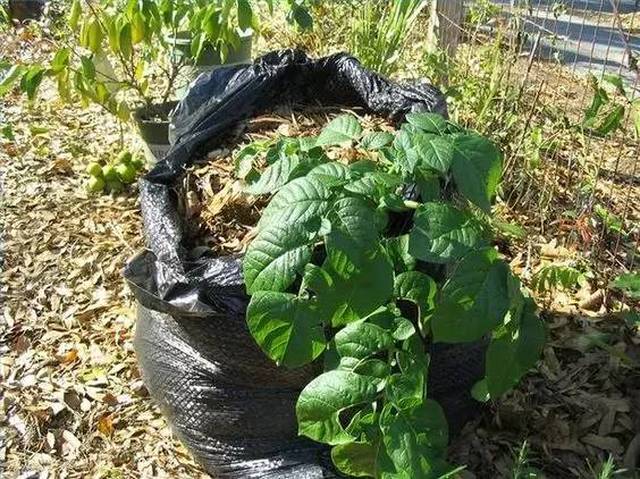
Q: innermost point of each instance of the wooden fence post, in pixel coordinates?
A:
(445, 22)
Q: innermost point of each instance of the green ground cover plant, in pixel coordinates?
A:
(329, 277)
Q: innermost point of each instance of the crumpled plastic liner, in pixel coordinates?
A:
(231, 405)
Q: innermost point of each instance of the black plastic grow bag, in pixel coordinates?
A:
(231, 405)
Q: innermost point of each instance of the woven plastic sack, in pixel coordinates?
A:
(229, 403)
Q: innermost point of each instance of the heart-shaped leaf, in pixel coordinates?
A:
(322, 400)
(474, 300)
(285, 327)
(477, 168)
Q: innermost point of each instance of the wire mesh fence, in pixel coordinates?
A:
(563, 96)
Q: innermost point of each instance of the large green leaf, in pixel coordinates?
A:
(356, 219)
(429, 122)
(348, 292)
(374, 185)
(477, 168)
(475, 299)
(285, 327)
(332, 172)
(352, 236)
(245, 15)
(360, 340)
(322, 400)
(277, 175)
(434, 151)
(276, 256)
(416, 439)
(376, 140)
(340, 130)
(416, 287)
(355, 459)
(297, 202)
(442, 233)
(511, 355)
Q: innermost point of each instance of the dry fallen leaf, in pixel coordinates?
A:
(105, 425)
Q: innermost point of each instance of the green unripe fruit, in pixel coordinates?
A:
(109, 173)
(126, 173)
(95, 184)
(94, 169)
(124, 157)
(115, 186)
(137, 162)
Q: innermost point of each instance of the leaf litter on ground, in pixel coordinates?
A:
(73, 403)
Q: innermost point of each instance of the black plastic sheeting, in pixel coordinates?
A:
(231, 405)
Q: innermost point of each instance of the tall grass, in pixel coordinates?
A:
(379, 30)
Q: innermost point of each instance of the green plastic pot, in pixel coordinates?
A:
(209, 59)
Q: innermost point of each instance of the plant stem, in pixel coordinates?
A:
(412, 205)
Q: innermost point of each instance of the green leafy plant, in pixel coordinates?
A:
(605, 115)
(120, 53)
(379, 30)
(555, 276)
(330, 276)
(107, 54)
(608, 470)
(629, 284)
(612, 223)
(521, 467)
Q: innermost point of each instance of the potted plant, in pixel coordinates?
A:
(111, 53)
(124, 56)
(205, 35)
